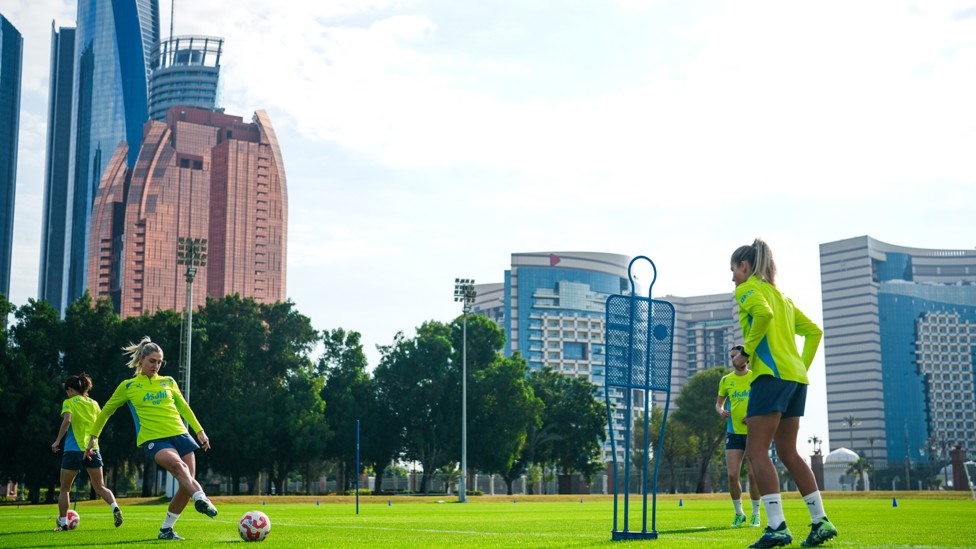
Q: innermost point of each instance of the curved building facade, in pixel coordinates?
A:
(899, 340)
(202, 175)
(552, 307)
(113, 44)
(184, 71)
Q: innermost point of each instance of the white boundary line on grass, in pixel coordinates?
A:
(833, 542)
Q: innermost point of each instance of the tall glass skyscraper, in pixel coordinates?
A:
(57, 166)
(11, 60)
(113, 47)
(900, 348)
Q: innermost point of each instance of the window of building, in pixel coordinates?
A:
(575, 350)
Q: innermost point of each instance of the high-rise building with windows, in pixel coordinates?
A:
(57, 166)
(899, 340)
(11, 61)
(200, 174)
(113, 44)
(705, 329)
(552, 308)
(184, 71)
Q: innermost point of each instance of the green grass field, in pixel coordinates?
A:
(919, 520)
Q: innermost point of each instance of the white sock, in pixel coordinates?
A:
(62, 521)
(773, 503)
(755, 506)
(815, 506)
(198, 495)
(170, 520)
(115, 506)
(737, 503)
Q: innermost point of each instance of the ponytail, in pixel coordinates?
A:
(81, 383)
(139, 351)
(760, 259)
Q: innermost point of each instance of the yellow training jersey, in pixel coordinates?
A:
(735, 389)
(83, 412)
(770, 323)
(156, 405)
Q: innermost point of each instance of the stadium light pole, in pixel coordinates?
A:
(464, 293)
(191, 252)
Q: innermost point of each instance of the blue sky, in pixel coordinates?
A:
(425, 141)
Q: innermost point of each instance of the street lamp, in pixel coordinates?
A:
(816, 442)
(464, 293)
(851, 422)
(191, 252)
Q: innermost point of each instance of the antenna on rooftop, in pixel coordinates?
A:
(172, 10)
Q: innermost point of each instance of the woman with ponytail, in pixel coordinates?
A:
(78, 412)
(770, 323)
(157, 406)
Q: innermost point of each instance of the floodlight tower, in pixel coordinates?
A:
(464, 293)
(191, 252)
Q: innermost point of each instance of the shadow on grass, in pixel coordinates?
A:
(697, 529)
(50, 543)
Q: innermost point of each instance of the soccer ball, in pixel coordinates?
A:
(73, 519)
(254, 526)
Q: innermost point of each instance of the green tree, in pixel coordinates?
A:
(32, 399)
(859, 469)
(502, 409)
(695, 404)
(347, 393)
(423, 389)
(573, 420)
(230, 394)
(300, 435)
(677, 447)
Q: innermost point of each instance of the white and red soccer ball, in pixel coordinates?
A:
(72, 519)
(254, 526)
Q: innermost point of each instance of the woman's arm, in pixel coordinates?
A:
(191, 419)
(720, 407)
(119, 397)
(811, 333)
(64, 429)
(754, 304)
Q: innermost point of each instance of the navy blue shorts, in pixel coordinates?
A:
(769, 394)
(735, 442)
(183, 445)
(75, 460)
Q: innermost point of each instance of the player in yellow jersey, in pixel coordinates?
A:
(78, 412)
(157, 406)
(770, 323)
(733, 398)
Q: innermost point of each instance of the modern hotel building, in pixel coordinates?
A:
(900, 348)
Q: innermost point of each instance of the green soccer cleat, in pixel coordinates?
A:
(774, 538)
(117, 515)
(168, 533)
(755, 521)
(738, 521)
(820, 532)
(204, 506)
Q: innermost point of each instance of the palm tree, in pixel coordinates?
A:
(871, 441)
(858, 469)
(851, 422)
